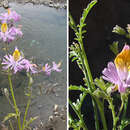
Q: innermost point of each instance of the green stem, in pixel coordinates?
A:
(89, 79)
(115, 119)
(14, 101)
(29, 100)
(101, 110)
(11, 126)
(96, 115)
(121, 108)
(125, 109)
(26, 111)
(85, 61)
(79, 116)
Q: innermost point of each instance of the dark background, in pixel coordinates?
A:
(100, 22)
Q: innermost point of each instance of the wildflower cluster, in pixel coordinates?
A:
(9, 31)
(16, 62)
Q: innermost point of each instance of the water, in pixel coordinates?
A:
(44, 39)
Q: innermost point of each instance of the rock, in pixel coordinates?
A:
(5, 4)
(57, 5)
(35, 1)
(27, 1)
(51, 5)
(3, 127)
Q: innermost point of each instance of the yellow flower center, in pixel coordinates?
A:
(4, 27)
(122, 60)
(16, 54)
(43, 68)
(9, 11)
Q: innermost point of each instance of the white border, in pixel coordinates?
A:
(67, 63)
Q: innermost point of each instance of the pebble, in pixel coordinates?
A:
(56, 107)
(5, 4)
(51, 5)
(39, 106)
(51, 118)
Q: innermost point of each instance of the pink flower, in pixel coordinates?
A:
(9, 16)
(56, 67)
(16, 31)
(9, 34)
(30, 67)
(47, 69)
(17, 63)
(118, 73)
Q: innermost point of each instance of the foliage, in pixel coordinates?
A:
(98, 89)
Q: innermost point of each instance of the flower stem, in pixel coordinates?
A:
(125, 108)
(79, 116)
(26, 111)
(14, 101)
(29, 100)
(115, 119)
(11, 126)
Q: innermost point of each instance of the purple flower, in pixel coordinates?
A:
(56, 67)
(30, 67)
(9, 34)
(9, 16)
(16, 31)
(47, 69)
(118, 73)
(17, 63)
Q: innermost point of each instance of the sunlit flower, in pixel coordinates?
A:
(47, 69)
(14, 62)
(56, 67)
(118, 72)
(9, 16)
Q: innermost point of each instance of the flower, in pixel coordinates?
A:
(9, 34)
(47, 69)
(15, 62)
(16, 31)
(9, 16)
(118, 72)
(56, 67)
(30, 67)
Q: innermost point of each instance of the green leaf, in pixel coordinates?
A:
(99, 93)
(86, 11)
(114, 47)
(72, 23)
(119, 30)
(100, 83)
(10, 115)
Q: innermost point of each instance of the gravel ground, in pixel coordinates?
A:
(50, 3)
